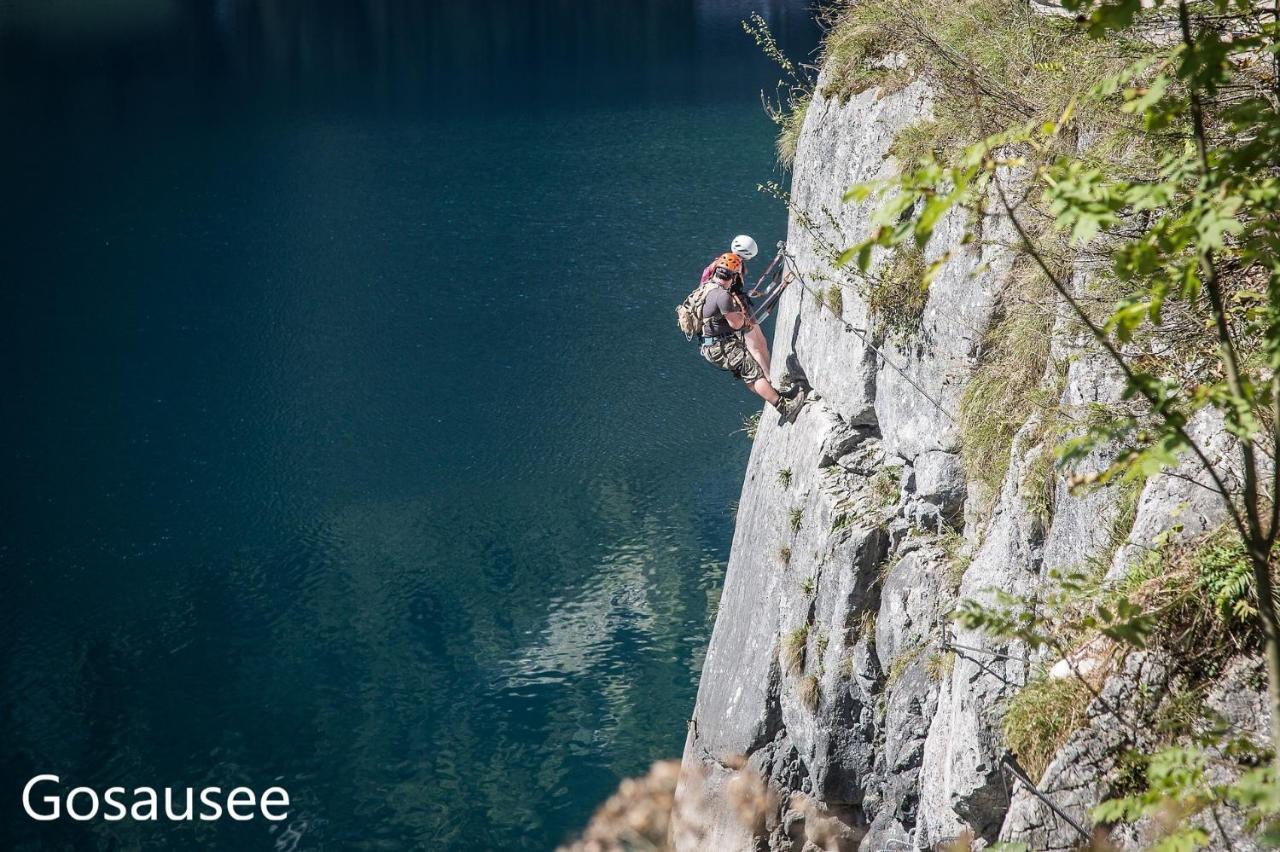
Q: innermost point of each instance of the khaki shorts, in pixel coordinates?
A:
(730, 353)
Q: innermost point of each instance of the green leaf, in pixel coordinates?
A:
(858, 193)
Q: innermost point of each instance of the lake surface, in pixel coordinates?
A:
(349, 444)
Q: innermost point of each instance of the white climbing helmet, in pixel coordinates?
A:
(744, 247)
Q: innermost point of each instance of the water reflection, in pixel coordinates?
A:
(343, 400)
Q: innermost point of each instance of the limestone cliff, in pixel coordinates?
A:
(835, 671)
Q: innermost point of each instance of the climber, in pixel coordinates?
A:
(745, 247)
(726, 324)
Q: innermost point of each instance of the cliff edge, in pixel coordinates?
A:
(836, 673)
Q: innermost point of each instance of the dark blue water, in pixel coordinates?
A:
(348, 441)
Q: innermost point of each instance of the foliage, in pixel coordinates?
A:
(1025, 63)
(784, 555)
(793, 649)
(1041, 716)
(834, 298)
(884, 485)
(1179, 785)
(1174, 581)
(900, 663)
(750, 425)
(1006, 388)
(1039, 486)
(1160, 602)
(939, 665)
(867, 626)
(792, 93)
(784, 478)
(897, 295)
(790, 122)
(809, 692)
(958, 558)
(1226, 576)
(795, 519)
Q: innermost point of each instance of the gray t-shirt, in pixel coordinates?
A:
(719, 302)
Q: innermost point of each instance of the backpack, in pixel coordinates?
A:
(689, 312)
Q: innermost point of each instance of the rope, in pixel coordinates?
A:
(791, 262)
(996, 654)
(1026, 782)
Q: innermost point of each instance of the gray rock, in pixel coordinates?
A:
(1084, 523)
(1077, 778)
(910, 607)
(1183, 502)
(867, 586)
(940, 480)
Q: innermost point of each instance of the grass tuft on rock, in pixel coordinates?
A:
(1041, 716)
(834, 298)
(790, 123)
(940, 665)
(1005, 390)
(795, 519)
(897, 295)
(809, 692)
(793, 650)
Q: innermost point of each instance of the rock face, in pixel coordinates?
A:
(835, 672)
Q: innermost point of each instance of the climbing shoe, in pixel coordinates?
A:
(789, 408)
